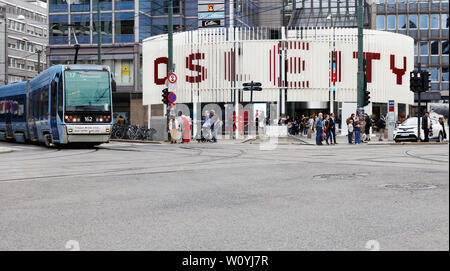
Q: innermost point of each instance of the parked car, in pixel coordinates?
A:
(407, 131)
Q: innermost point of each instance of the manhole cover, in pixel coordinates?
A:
(343, 177)
(410, 186)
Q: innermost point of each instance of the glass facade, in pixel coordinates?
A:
(427, 22)
(316, 13)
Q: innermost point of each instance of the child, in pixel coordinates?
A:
(350, 131)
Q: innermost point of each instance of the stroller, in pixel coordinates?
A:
(206, 135)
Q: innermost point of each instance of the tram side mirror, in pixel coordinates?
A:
(113, 85)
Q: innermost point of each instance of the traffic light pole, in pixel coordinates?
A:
(170, 49)
(418, 109)
(360, 82)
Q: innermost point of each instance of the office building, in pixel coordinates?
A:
(23, 36)
(427, 22)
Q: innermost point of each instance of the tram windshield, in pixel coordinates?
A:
(87, 91)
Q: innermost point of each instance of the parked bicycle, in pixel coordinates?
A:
(132, 132)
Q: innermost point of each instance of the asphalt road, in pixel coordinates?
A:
(233, 196)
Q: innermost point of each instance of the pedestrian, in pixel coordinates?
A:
(381, 125)
(257, 122)
(173, 125)
(367, 126)
(333, 127)
(186, 129)
(426, 126)
(121, 121)
(350, 131)
(327, 129)
(310, 125)
(442, 123)
(357, 128)
(214, 120)
(319, 129)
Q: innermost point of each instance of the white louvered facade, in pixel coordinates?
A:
(259, 60)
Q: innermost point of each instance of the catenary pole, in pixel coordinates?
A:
(99, 35)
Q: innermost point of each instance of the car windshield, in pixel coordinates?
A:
(87, 90)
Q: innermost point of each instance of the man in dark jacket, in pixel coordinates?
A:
(381, 125)
(426, 126)
(367, 125)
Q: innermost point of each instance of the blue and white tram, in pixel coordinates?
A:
(64, 104)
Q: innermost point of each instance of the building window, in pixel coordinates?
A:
(445, 48)
(413, 21)
(402, 21)
(391, 22)
(434, 47)
(444, 21)
(434, 74)
(434, 21)
(105, 28)
(124, 27)
(20, 45)
(381, 25)
(423, 21)
(445, 74)
(58, 30)
(423, 48)
(30, 47)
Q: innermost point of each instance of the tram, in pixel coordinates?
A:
(62, 105)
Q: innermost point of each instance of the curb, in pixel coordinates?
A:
(135, 141)
(407, 143)
(5, 150)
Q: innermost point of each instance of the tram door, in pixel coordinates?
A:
(53, 108)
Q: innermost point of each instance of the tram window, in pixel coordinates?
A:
(2, 109)
(36, 104)
(60, 98)
(53, 101)
(43, 105)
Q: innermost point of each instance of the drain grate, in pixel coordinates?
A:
(409, 186)
(340, 177)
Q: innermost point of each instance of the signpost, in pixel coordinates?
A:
(391, 120)
(172, 97)
(252, 86)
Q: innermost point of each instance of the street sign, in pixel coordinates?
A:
(391, 120)
(252, 86)
(172, 97)
(172, 78)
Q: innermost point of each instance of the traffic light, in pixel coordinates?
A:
(366, 92)
(426, 81)
(165, 96)
(415, 81)
(366, 98)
